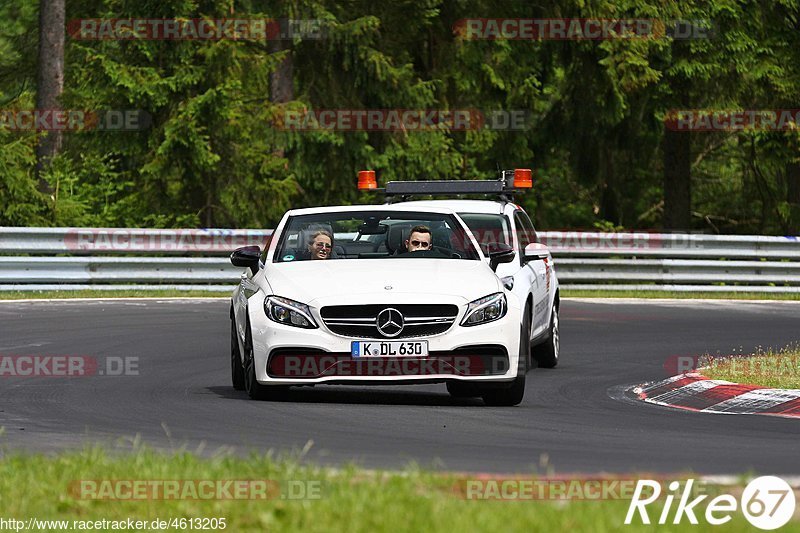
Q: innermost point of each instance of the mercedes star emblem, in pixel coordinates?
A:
(390, 322)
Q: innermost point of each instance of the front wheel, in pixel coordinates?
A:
(513, 395)
(506, 397)
(237, 370)
(546, 353)
(256, 390)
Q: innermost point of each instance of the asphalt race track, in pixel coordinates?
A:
(570, 420)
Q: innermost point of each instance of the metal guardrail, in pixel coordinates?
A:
(121, 240)
(117, 270)
(87, 258)
(670, 245)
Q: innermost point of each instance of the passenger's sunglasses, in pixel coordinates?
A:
(421, 244)
(321, 245)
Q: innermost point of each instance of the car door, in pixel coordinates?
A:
(506, 228)
(540, 271)
(525, 280)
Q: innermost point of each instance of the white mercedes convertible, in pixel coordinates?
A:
(375, 295)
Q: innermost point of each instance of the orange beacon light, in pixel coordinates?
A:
(366, 180)
(523, 178)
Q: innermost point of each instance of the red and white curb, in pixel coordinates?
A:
(694, 392)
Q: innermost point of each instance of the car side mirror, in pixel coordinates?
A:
(499, 252)
(536, 251)
(247, 257)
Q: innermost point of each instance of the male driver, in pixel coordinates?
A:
(419, 239)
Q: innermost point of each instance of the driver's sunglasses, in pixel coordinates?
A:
(322, 245)
(421, 244)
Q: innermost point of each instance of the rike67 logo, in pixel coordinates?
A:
(767, 502)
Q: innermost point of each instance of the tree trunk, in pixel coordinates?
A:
(281, 81)
(677, 154)
(793, 196)
(677, 180)
(50, 80)
(609, 201)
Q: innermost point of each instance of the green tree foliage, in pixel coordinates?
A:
(214, 155)
(20, 203)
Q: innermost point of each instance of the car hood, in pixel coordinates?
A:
(320, 283)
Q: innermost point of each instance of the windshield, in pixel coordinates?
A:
(488, 228)
(374, 235)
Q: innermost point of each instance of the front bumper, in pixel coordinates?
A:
(286, 355)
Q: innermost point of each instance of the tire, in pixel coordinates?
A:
(237, 370)
(546, 353)
(254, 389)
(513, 395)
(463, 390)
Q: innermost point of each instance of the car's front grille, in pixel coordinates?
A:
(360, 321)
(372, 310)
(371, 332)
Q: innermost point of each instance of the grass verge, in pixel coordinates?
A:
(58, 295)
(566, 293)
(777, 369)
(349, 499)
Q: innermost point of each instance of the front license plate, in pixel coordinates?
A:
(389, 348)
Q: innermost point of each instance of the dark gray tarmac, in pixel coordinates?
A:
(574, 418)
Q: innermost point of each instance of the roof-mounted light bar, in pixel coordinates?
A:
(510, 181)
(444, 187)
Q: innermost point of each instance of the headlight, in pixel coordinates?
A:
(486, 309)
(288, 312)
